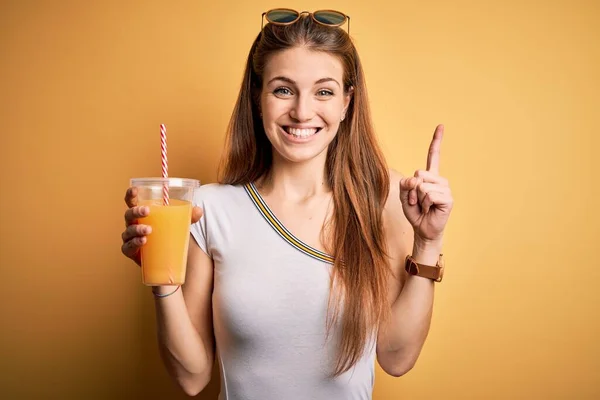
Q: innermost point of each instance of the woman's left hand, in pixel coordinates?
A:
(426, 197)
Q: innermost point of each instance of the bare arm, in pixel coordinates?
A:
(184, 325)
(184, 319)
(422, 205)
(411, 298)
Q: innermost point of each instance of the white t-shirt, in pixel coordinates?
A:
(269, 305)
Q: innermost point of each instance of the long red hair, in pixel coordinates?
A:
(356, 172)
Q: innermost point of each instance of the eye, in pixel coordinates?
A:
(325, 92)
(282, 91)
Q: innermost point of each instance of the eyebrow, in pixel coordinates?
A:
(292, 82)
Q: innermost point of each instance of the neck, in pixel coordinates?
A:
(296, 181)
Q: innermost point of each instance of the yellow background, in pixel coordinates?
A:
(85, 85)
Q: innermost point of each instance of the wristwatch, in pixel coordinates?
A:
(435, 273)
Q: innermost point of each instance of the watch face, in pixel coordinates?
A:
(413, 269)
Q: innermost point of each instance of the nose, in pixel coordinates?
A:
(302, 109)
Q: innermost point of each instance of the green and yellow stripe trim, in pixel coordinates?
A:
(266, 212)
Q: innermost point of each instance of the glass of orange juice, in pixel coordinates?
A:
(164, 255)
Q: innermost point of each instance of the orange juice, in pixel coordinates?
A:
(164, 256)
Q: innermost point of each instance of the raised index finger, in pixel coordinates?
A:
(433, 157)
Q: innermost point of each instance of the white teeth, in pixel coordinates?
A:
(301, 132)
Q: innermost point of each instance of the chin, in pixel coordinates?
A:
(300, 155)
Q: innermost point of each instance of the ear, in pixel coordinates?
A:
(347, 98)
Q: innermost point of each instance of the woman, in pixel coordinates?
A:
(296, 270)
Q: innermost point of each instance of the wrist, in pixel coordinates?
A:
(426, 251)
(425, 245)
(164, 290)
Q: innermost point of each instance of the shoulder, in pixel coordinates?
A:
(211, 191)
(216, 192)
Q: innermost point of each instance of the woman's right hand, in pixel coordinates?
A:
(134, 236)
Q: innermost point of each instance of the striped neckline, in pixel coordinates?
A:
(289, 237)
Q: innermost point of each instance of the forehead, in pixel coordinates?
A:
(304, 66)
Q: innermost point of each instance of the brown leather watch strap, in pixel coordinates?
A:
(435, 273)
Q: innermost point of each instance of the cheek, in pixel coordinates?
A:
(274, 107)
(333, 113)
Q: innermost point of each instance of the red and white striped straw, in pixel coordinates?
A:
(165, 164)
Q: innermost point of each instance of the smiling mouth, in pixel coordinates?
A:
(301, 133)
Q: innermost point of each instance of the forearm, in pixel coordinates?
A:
(182, 349)
(412, 310)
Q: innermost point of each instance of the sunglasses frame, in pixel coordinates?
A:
(265, 15)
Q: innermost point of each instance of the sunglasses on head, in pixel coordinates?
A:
(286, 16)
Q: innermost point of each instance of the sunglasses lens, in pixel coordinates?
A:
(282, 16)
(330, 17)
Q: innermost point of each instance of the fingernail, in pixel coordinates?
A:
(148, 230)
